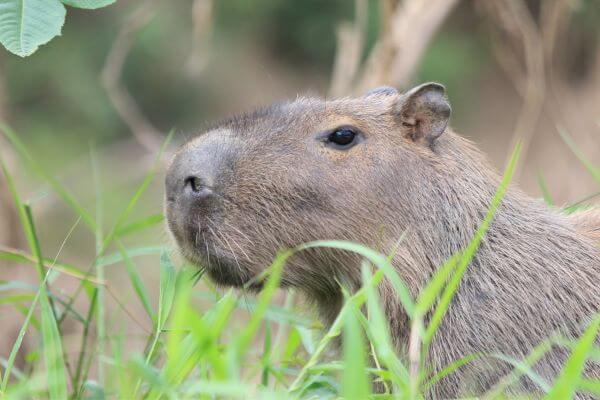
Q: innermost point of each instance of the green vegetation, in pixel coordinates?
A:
(205, 352)
(28, 24)
(104, 311)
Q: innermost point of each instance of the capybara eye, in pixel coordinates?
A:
(342, 137)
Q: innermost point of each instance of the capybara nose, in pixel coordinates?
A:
(194, 180)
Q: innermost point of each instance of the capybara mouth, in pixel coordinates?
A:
(202, 249)
(201, 243)
(225, 273)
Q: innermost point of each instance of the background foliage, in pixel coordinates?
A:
(86, 281)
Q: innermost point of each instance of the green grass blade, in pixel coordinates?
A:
(594, 353)
(217, 320)
(524, 369)
(117, 257)
(120, 373)
(266, 356)
(197, 345)
(581, 204)
(592, 169)
(244, 339)
(450, 369)
(26, 298)
(292, 343)
(29, 234)
(219, 316)
(544, 188)
(140, 224)
(168, 277)
(18, 342)
(179, 348)
(429, 294)
(22, 257)
(82, 350)
(355, 382)
(100, 291)
(591, 386)
(149, 374)
(48, 328)
(52, 343)
(222, 390)
(377, 259)
(568, 380)
(275, 313)
(138, 286)
(34, 246)
(379, 334)
(53, 353)
(17, 373)
(192, 338)
(515, 375)
(359, 298)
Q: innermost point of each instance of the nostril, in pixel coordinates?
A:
(194, 183)
(196, 187)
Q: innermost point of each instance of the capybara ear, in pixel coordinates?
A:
(424, 112)
(382, 91)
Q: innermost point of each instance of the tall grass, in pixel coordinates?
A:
(217, 351)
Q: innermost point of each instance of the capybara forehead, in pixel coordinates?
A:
(307, 113)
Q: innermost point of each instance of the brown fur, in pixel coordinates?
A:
(275, 186)
(588, 222)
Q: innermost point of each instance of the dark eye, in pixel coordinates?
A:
(342, 137)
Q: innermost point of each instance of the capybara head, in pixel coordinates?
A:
(300, 171)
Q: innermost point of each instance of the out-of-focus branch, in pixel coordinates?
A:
(202, 18)
(554, 20)
(520, 39)
(407, 29)
(563, 101)
(350, 44)
(142, 129)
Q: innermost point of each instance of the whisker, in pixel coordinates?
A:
(207, 250)
(237, 231)
(241, 249)
(233, 253)
(223, 238)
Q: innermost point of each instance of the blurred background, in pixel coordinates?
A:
(121, 77)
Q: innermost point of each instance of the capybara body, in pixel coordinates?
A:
(372, 170)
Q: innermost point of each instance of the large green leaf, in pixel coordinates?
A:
(27, 24)
(89, 4)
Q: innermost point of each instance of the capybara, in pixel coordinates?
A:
(371, 170)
